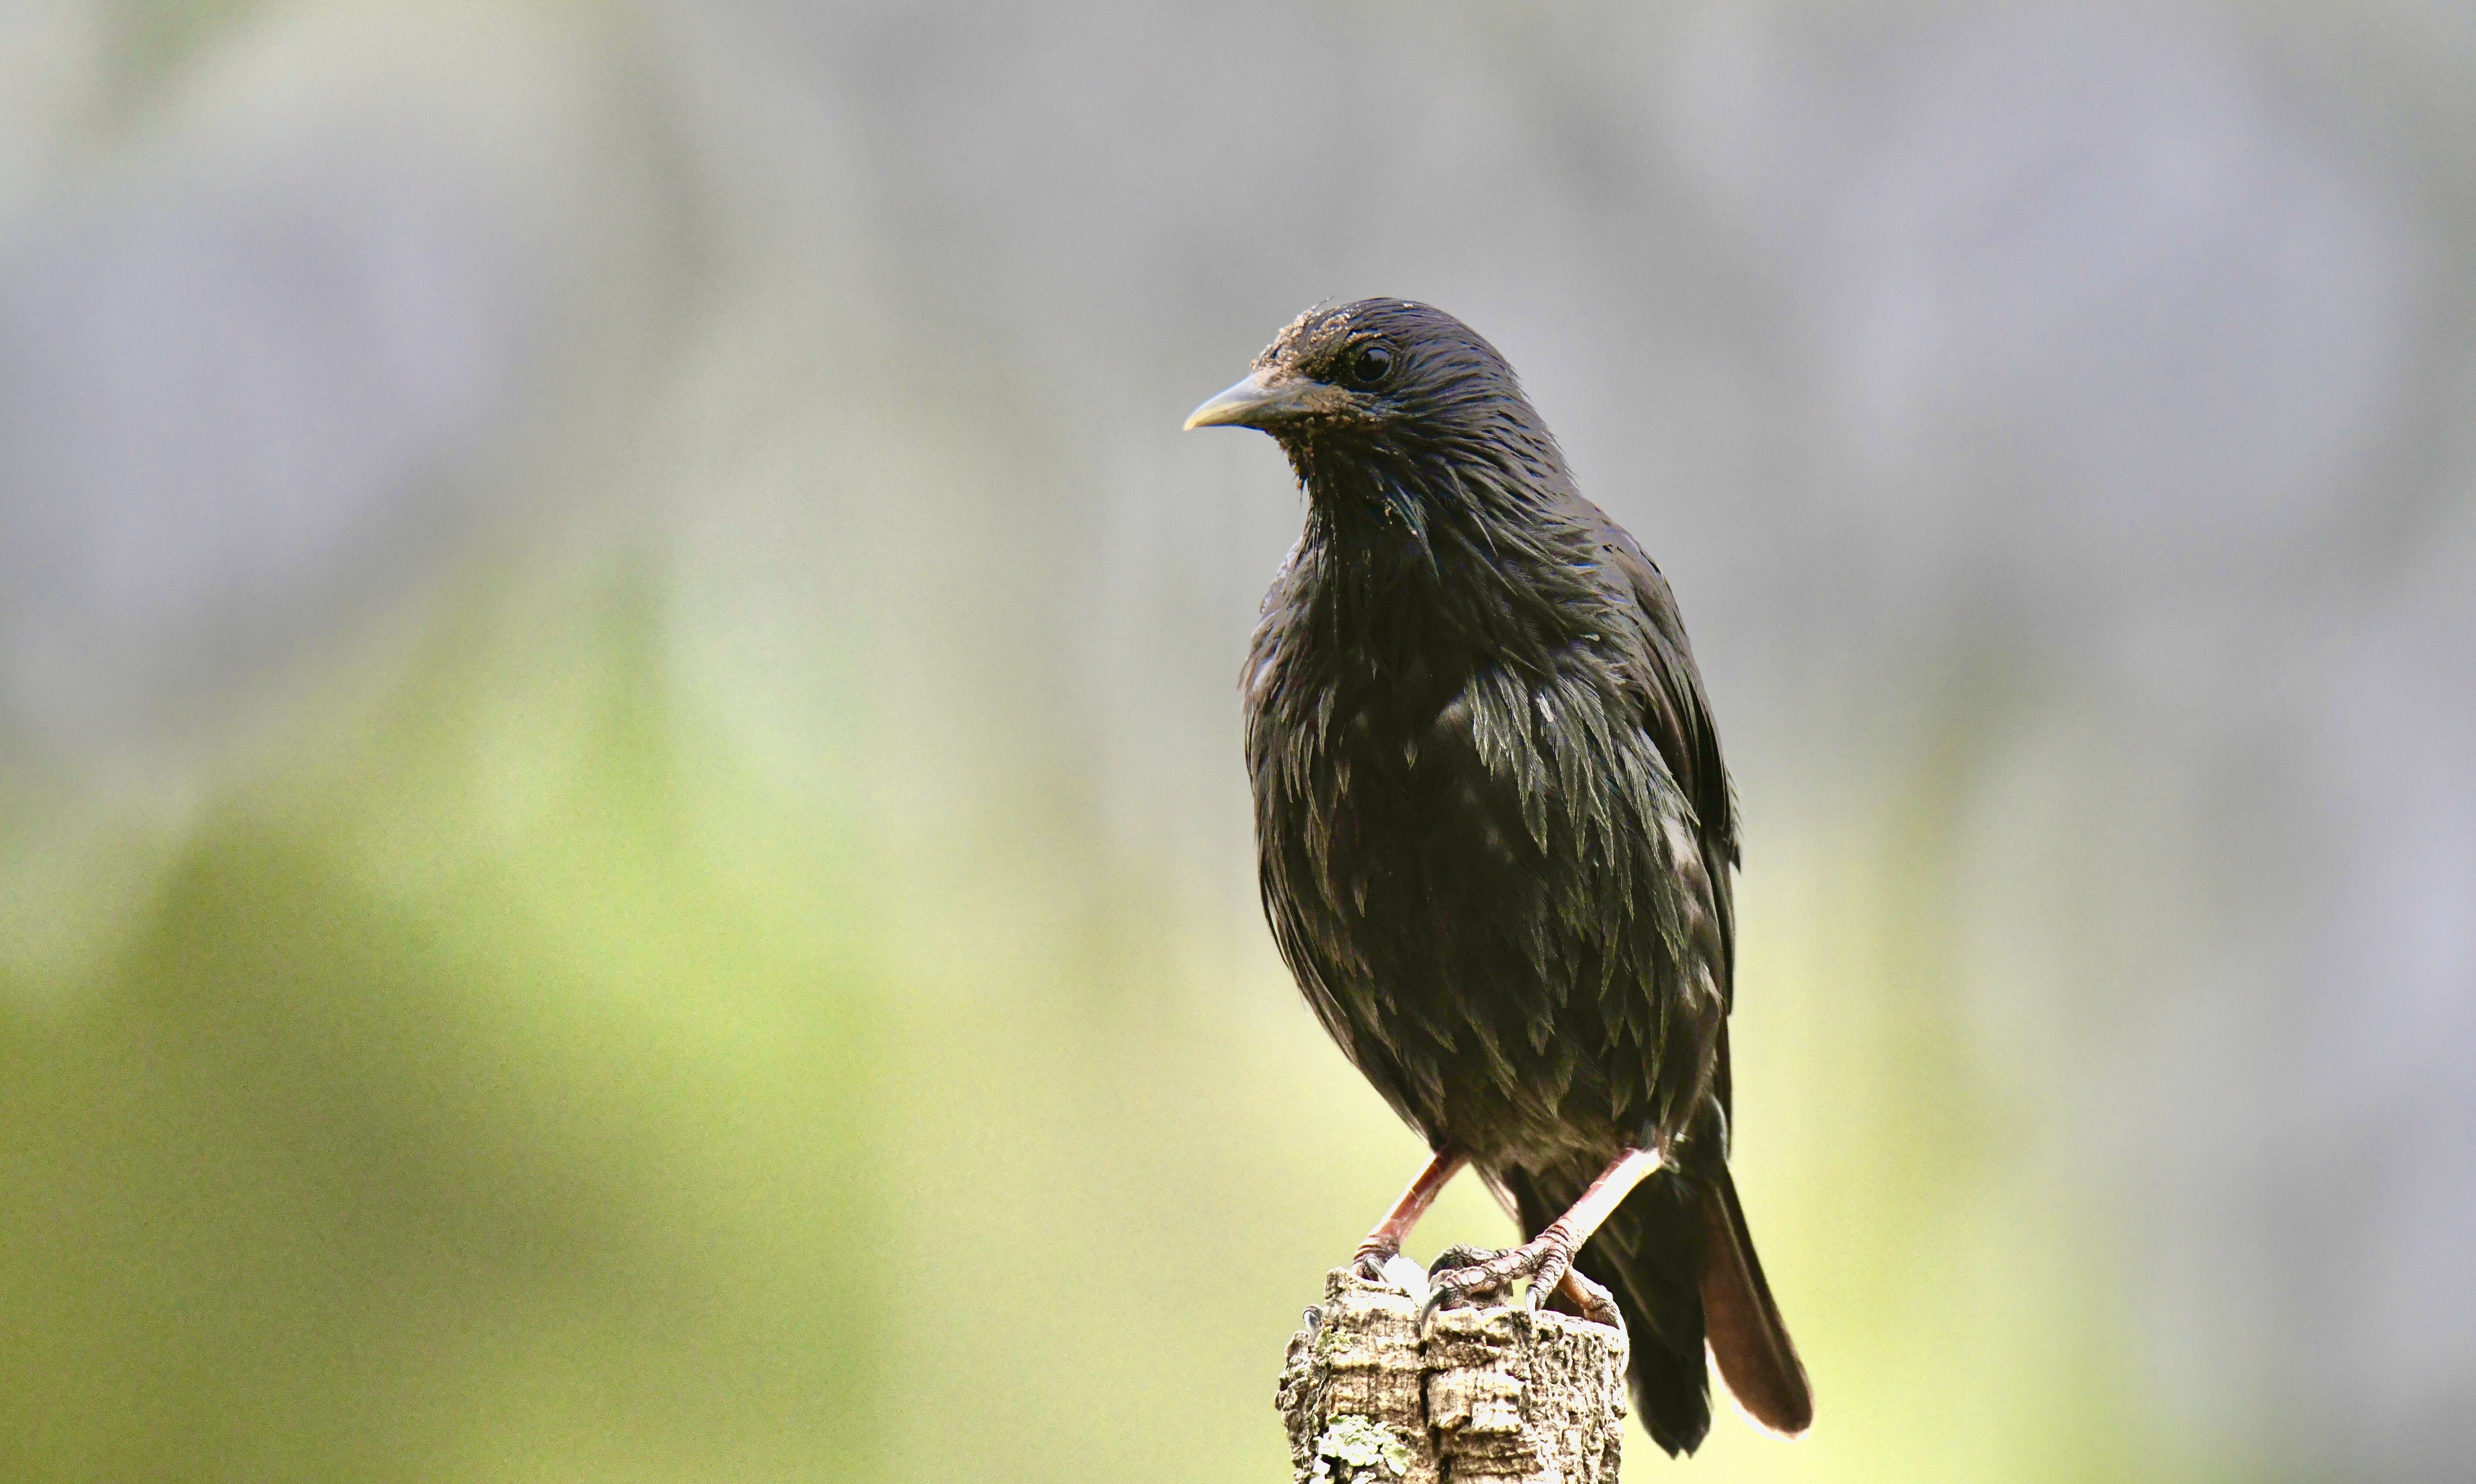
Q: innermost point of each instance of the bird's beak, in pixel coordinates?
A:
(1255, 404)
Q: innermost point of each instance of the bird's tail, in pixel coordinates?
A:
(1756, 1355)
(1682, 1266)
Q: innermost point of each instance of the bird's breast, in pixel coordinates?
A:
(1464, 868)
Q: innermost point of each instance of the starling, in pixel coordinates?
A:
(1495, 840)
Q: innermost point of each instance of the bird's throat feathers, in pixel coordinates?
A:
(1487, 538)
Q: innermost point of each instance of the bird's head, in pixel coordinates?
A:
(1375, 377)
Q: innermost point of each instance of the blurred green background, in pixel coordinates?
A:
(622, 849)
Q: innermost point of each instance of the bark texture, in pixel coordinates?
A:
(1491, 1394)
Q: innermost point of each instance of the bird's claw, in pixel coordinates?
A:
(1460, 1272)
(1598, 1305)
(1453, 1262)
(1369, 1261)
(1551, 1272)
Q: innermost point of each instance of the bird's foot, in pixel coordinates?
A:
(1371, 1257)
(1596, 1303)
(1461, 1273)
(1455, 1261)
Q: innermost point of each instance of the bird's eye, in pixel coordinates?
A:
(1369, 366)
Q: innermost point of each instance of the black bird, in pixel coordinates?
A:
(1495, 839)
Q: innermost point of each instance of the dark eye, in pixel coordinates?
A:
(1368, 366)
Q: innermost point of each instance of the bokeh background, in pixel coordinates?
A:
(622, 849)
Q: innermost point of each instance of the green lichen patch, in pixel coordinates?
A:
(1358, 1445)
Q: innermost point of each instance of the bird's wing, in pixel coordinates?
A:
(1678, 718)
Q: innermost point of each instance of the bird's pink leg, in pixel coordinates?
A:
(1606, 1193)
(1384, 1243)
(1547, 1259)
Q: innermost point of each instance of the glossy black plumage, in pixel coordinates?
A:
(1494, 829)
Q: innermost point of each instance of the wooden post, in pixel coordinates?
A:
(1491, 1394)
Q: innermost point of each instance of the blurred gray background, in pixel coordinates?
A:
(622, 849)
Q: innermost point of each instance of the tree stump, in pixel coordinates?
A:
(1491, 1394)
